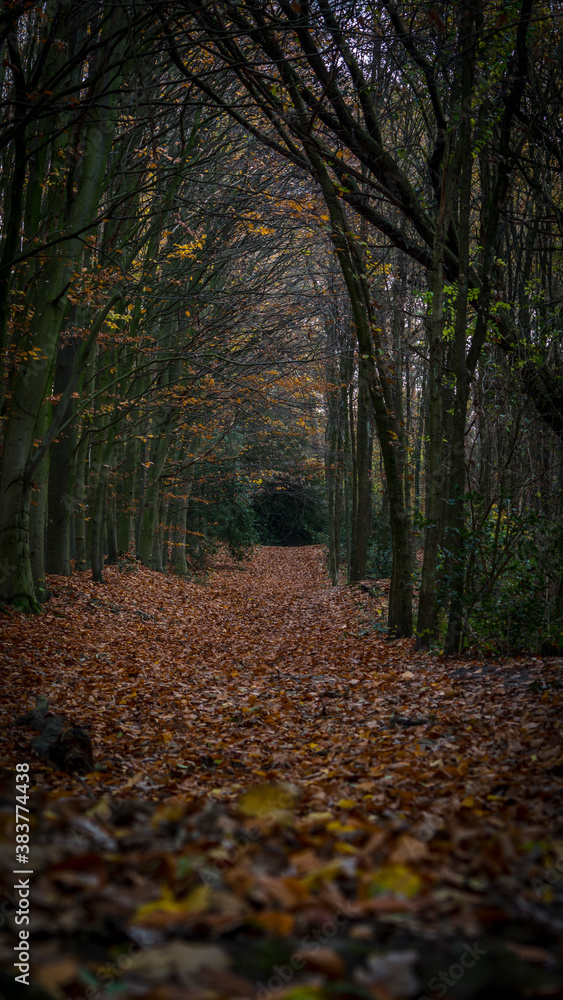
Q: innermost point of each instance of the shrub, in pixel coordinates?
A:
(290, 511)
(514, 585)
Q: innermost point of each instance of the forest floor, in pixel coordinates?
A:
(284, 803)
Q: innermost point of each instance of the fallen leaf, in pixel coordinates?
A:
(324, 960)
(178, 960)
(269, 802)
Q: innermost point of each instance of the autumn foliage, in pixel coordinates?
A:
(267, 765)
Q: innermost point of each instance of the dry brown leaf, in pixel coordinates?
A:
(178, 960)
(324, 960)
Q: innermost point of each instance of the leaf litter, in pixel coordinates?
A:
(285, 804)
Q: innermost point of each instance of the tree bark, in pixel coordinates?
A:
(61, 467)
(111, 529)
(364, 453)
(334, 453)
(427, 613)
(148, 542)
(455, 566)
(38, 514)
(126, 495)
(80, 548)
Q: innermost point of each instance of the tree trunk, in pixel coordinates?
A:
(126, 495)
(456, 528)
(427, 616)
(111, 530)
(334, 454)
(364, 454)
(419, 433)
(38, 515)
(178, 536)
(57, 556)
(148, 543)
(80, 503)
(97, 524)
(159, 548)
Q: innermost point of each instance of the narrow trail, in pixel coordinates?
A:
(265, 672)
(244, 671)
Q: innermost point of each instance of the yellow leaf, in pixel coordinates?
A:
(274, 802)
(343, 848)
(398, 880)
(340, 828)
(195, 901)
(313, 819)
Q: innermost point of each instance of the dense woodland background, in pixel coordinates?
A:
(288, 272)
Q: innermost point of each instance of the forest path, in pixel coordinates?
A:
(215, 682)
(265, 672)
(421, 796)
